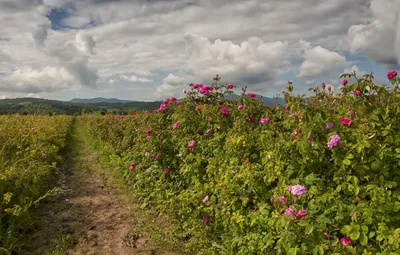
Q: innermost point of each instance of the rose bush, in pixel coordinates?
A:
(318, 176)
(30, 151)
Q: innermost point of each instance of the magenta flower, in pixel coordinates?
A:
(329, 125)
(149, 131)
(283, 199)
(296, 132)
(297, 190)
(147, 154)
(229, 86)
(289, 211)
(206, 221)
(208, 131)
(264, 120)
(344, 82)
(241, 107)
(192, 143)
(225, 111)
(302, 213)
(311, 139)
(163, 107)
(334, 141)
(197, 86)
(205, 199)
(391, 75)
(133, 166)
(346, 121)
(206, 89)
(176, 125)
(356, 92)
(252, 95)
(272, 198)
(345, 241)
(166, 171)
(43, 155)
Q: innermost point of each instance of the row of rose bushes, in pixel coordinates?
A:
(30, 150)
(319, 175)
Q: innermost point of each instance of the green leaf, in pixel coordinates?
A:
(363, 239)
(349, 156)
(371, 234)
(346, 229)
(346, 162)
(354, 235)
(309, 229)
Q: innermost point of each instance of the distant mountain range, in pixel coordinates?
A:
(267, 100)
(98, 104)
(98, 100)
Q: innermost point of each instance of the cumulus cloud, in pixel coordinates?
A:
(379, 38)
(85, 42)
(134, 78)
(252, 62)
(48, 79)
(76, 21)
(318, 61)
(174, 80)
(172, 86)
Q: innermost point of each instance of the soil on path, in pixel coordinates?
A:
(89, 217)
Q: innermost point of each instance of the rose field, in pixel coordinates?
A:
(319, 175)
(30, 152)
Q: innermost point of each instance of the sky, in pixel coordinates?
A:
(151, 49)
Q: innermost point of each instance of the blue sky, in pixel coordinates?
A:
(148, 50)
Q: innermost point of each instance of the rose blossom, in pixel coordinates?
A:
(192, 143)
(345, 241)
(229, 86)
(241, 107)
(297, 190)
(302, 213)
(225, 111)
(346, 121)
(334, 141)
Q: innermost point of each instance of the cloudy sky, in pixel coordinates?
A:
(151, 49)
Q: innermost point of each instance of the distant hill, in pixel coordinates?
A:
(78, 106)
(98, 100)
(267, 100)
(45, 106)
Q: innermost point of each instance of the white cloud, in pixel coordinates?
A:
(319, 61)
(48, 79)
(172, 86)
(76, 21)
(252, 62)
(379, 38)
(85, 42)
(134, 78)
(174, 80)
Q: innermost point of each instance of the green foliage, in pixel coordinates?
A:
(245, 166)
(29, 154)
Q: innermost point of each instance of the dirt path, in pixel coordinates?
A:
(90, 217)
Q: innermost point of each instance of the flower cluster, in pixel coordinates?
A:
(391, 75)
